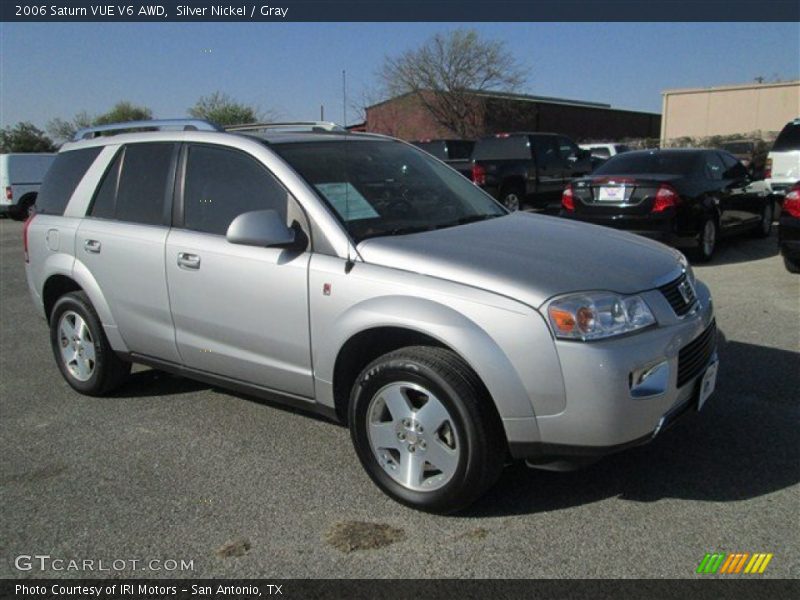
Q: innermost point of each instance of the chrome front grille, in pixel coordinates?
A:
(680, 294)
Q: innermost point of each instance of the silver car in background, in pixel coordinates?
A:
(358, 277)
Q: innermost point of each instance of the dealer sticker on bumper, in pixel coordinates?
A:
(708, 384)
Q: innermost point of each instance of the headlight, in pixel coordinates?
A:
(686, 267)
(597, 315)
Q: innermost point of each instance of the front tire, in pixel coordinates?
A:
(80, 347)
(424, 429)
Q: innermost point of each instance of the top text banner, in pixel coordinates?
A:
(404, 10)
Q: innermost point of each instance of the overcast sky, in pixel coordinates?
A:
(56, 70)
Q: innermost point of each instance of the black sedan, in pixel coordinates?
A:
(789, 229)
(687, 198)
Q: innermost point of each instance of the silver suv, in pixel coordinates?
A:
(356, 276)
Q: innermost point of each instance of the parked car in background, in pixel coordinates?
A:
(783, 161)
(527, 168)
(20, 178)
(456, 153)
(751, 153)
(789, 229)
(687, 198)
(448, 334)
(605, 151)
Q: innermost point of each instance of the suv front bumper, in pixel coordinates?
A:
(605, 413)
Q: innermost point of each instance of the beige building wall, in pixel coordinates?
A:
(728, 110)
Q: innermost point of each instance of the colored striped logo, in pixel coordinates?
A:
(737, 562)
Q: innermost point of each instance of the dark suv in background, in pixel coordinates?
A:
(456, 153)
(528, 168)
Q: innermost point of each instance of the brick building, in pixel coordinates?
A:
(406, 117)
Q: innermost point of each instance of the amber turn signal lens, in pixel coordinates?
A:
(562, 319)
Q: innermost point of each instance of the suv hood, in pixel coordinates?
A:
(530, 258)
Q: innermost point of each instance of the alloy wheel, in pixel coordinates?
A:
(77, 346)
(412, 436)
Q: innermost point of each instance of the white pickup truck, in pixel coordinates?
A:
(20, 178)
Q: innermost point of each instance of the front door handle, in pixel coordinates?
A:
(188, 261)
(92, 246)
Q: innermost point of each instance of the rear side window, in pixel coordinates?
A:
(712, 166)
(437, 149)
(62, 178)
(144, 183)
(221, 184)
(136, 186)
(514, 147)
(547, 151)
(788, 139)
(460, 150)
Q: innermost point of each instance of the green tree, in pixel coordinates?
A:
(121, 112)
(448, 72)
(25, 137)
(223, 110)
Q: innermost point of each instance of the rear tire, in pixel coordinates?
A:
(81, 349)
(793, 266)
(424, 429)
(512, 197)
(764, 227)
(707, 240)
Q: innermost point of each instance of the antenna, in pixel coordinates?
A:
(349, 264)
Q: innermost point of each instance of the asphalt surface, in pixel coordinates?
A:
(172, 469)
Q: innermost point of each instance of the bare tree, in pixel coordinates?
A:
(448, 73)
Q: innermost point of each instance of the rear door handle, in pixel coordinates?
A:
(188, 261)
(92, 246)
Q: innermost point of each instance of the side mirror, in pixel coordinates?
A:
(262, 228)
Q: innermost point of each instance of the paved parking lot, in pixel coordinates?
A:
(172, 469)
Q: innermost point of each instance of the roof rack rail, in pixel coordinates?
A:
(154, 124)
(290, 125)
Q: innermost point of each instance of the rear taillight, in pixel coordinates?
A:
(666, 197)
(25, 227)
(478, 174)
(791, 203)
(567, 198)
(9, 193)
(768, 169)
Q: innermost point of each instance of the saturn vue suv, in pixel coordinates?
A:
(357, 276)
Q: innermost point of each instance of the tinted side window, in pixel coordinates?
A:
(62, 178)
(460, 150)
(503, 147)
(728, 160)
(566, 148)
(105, 200)
(221, 184)
(143, 183)
(712, 166)
(546, 151)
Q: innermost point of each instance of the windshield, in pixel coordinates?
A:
(379, 188)
(649, 163)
